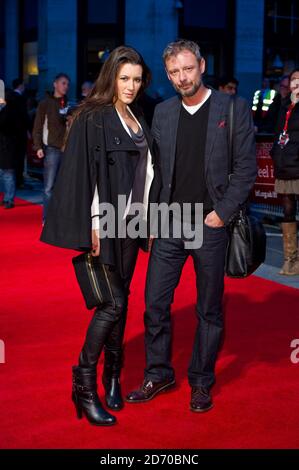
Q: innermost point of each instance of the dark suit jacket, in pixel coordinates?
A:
(226, 196)
(98, 150)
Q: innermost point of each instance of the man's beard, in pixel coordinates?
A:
(191, 92)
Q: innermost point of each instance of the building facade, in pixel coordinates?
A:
(246, 38)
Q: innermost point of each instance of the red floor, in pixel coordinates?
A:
(43, 322)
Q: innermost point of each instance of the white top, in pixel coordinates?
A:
(148, 181)
(195, 108)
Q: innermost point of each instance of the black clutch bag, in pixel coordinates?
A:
(94, 280)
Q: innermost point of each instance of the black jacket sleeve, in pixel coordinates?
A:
(68, 221)
(244, 163)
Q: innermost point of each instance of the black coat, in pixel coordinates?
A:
(227, 196)
(9, 127)
(98, 150)
(286, 160)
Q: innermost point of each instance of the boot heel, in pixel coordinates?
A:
(79, 410)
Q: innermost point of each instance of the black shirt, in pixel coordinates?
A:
(189, 184)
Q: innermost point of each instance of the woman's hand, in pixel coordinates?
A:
(95, 240)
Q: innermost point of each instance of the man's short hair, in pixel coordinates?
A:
(17, 82)
(226, 79)
(62, 75)
(174, 48)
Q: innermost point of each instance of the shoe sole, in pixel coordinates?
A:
(201, 411)
(161, 390)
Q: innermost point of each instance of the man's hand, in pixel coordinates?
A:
(212, 220)
(95, 240)
(40, 153)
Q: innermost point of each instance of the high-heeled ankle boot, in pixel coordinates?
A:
(85, 397)
(111, 379)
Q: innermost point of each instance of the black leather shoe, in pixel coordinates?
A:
(200, 400)
(149, 390)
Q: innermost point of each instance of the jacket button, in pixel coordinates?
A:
(111, 161)
(97, 148)
(117, 140)
(169, 185)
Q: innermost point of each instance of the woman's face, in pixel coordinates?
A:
(128, 82)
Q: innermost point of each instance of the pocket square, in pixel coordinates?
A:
(222, 124)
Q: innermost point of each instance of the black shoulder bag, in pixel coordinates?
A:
(246, 248)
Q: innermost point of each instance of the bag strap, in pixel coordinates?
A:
(231, 113)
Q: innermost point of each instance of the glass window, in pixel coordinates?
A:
(102, 11)
(30, 10)
(203, 14)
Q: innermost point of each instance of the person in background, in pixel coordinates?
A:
(49, 132)
(269, 122)
(8, 148)
(261, 102)
(285, 155)
(228, 85)
(86, 88)
(22, 128)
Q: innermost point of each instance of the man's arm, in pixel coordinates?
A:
(244, 163)
(155, 126)
(37, 133)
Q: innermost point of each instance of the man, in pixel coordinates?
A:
(22, 122)
(191, 132)
(228, 85)
(268, 124)
(86, 88)
(8, 146)
(49, 131)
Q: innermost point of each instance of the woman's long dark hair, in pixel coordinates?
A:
(103, 91)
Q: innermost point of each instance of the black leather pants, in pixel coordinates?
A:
(107, 326)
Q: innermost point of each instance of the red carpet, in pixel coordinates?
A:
(43, 322)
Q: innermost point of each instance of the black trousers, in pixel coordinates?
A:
(165, 266)
(108, 323)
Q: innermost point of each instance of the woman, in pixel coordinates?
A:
(109, 152)
(285, 154)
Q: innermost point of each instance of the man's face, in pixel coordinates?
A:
(61, 86)
(185, 72)
(230, 88)
(284, 87)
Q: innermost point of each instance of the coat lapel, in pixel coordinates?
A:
(173, 121)
(116, 136)
(214, 117)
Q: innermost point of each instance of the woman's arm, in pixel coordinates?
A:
(95, 219)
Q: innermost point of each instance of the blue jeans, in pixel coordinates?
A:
(8, 178)
(52, 161)
(167, 259)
